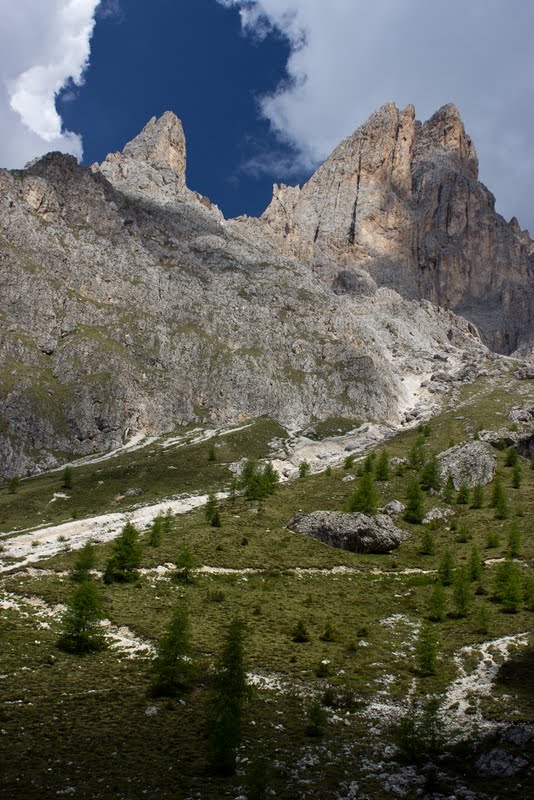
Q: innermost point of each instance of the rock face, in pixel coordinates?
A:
(129, 305)
(357, 533)
(402, 201)
(470, 464)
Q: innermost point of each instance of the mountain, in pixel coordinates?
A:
(130, 305)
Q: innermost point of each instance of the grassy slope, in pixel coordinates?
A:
(81, 722)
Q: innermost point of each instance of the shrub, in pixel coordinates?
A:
(185, 566)
(329, 633)
(517, 474)
(85, 562)
(300, 633)
(508, 589)
(492, 539)
(212, 455)
(514, 541)
(419, 734)
(482, 622)
(428, 544)
(446, 568)
(316, 721)
(349, 462)
(13, 484)
(258, 484)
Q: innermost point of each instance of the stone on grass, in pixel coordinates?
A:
(356, 532)
(470, 464)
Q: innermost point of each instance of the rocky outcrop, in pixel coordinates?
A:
(472, 464)
(357, 533)
(402, 201)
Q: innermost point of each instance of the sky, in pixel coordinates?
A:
(266, 88)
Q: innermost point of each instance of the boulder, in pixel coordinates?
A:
(394, 508)
(357, 533)
(437, 513)
(522, 440)
(468, 464)
(499, 763)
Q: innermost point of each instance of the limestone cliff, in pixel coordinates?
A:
(402, 200)
(128, 304)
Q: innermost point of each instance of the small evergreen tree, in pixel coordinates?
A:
(511, 457)
(517, 474)
(529, 592)
(228, 696)
(125, 559)
(514, 540)
(415, 505)
(211, 509)
(417, 455)
(85, 562)
(462, 594)
(185, 566)
(383, 470)
(508, 589)
(304, 469)
(13, 484)
(419, 735)
(446, 568)
(349, 462)
(67, 478)
(173, 667)
(212, 455)
(364, 498)
(427, 651)
(492, 539)
(270, 477)
(167, 521)
(300, 633)
(428, 543)
(81, 629)
(478, 497)
(448, 492)
(462, 498)
(483, 619)
(438, 603)
(464, 534)
(316, 720)
(369, 463)
(475, 565)
(257, 484)
(156, 531)
(431, 475)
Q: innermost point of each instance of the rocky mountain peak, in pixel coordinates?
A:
(444, 135)
(153, 163)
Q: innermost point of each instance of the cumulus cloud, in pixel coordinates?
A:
(348, 57)
(44, 46)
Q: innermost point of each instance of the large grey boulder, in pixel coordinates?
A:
(499, 763)
(357, 533)
(470, 464)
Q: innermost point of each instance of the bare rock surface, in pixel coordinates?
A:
(468, 464)
(358, 533)
(499, 763)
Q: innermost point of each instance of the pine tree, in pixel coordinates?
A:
(317, 720)
(212, 455)
(431, 475)
(462, 497)
(167, 521)
(81, 630)
(304, 469)
(475, 565)
(498, 500)
(517, 474)
(228, 696)
(462, 594)
(271, 478)
(426, 651)
(13, 484)
(383, 470)
(300, 633)
(173, 667)
(446, 568)
(156, 531)
(438, 603)
(492, 539)
(369, 463)
(482, 624)
(514, 540)
(428, 543)
(349, 462)
(417, 453)
(415, 506)
(125, 559)
(67, 478)
(464, 534)
(85, 562)
(511, 457)
(185, 565)
(478, 497)
(448, 492)
(364, 498)
(211, 509)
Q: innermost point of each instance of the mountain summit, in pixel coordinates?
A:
(131, 306)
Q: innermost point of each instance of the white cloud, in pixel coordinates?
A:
(348, 57)
(44, 45)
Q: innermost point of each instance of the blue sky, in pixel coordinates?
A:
(266, 88)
